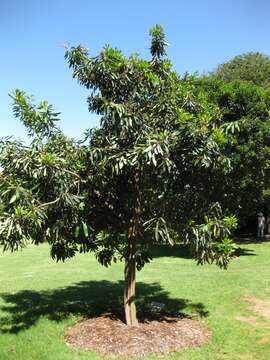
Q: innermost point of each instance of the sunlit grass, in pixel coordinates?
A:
(39, 299)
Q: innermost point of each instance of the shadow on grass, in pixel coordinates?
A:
(244, 252)
(179, 250)
(183, 251)
(87, 299)
(251, 239)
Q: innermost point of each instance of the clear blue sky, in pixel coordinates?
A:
(201, 34)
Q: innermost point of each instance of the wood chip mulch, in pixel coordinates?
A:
(109, 336)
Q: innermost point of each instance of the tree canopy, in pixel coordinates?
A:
(252, 66)
(144, 176)
(246, 107)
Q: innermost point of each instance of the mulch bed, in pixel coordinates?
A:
(107, 335)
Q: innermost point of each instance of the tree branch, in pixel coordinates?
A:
(48, 203)
(71, 173)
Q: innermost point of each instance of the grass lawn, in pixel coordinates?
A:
(39, 299)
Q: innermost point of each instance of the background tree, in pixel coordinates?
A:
(252, 66)
(246, 106)
(127, 185)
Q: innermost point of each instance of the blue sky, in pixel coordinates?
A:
(201, 34)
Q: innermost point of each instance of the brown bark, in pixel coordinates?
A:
(130, 262)
(129, 293)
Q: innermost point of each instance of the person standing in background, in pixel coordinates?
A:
(261, 225)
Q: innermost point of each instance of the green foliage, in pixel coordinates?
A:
(158, 43)
(39, 120)
(140, 178)
(245, 120)
(211, 241)
(40, 189)
(252, 66)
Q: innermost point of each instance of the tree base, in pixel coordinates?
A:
(109, 336)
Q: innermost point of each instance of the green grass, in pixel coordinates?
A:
(39, 299)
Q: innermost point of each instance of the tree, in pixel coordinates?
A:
(122, 188)
(252, 66)
(246, 107)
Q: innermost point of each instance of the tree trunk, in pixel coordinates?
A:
(134, 233)
(129, 292)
